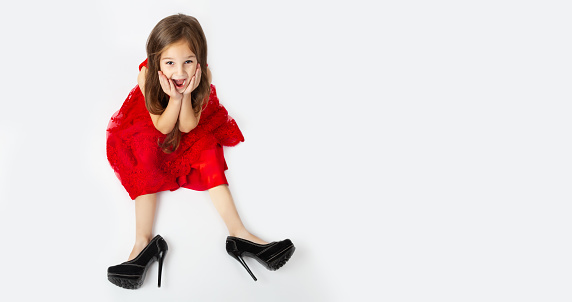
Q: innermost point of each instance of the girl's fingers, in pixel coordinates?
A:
(162, 82)
(198, 76)
(195, 80)
(166, 84)
(172, 85)
(189, 87)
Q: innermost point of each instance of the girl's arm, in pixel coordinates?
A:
(167, 120)
(187, 119)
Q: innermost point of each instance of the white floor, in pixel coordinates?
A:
(412, 150)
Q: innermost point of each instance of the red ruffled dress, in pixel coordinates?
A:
(141, 165)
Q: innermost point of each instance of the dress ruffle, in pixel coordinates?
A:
(141, 165)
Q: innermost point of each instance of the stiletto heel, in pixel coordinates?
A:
(130, 274)
(235, 254)
(272, 255)
(161, 257)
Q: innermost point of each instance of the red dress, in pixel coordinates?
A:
(141, 165)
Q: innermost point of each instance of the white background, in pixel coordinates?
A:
(412, 150)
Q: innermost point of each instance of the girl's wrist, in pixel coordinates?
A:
(187, 97)
(176, 99)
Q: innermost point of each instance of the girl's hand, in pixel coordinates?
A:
(194, 82)
(169, 87)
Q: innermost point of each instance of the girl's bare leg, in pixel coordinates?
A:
(224, 204)
(145, 206)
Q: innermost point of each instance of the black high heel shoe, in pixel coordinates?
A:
(272, 255)
(130, 274)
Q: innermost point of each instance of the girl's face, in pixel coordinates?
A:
(178, 63)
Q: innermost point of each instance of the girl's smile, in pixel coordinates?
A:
(178, 63)
(179, 83)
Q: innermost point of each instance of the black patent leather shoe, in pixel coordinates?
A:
(272, 255)
(130, 274)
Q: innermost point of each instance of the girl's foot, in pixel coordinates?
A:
(140, 244)
(246, 235)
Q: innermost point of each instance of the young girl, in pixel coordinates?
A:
(168, 134)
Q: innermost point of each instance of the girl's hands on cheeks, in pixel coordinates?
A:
(170, 89)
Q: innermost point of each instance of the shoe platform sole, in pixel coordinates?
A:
(282, 258)
(125, 282)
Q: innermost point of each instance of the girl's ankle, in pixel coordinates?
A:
(140, 244)
(142, 241)
(241, 233)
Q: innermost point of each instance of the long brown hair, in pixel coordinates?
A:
(170, 30)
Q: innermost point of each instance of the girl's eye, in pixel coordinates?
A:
(188, 61)
(170, 63)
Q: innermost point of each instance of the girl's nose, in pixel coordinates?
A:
(180, 70)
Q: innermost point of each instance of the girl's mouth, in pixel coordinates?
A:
(179, 83)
